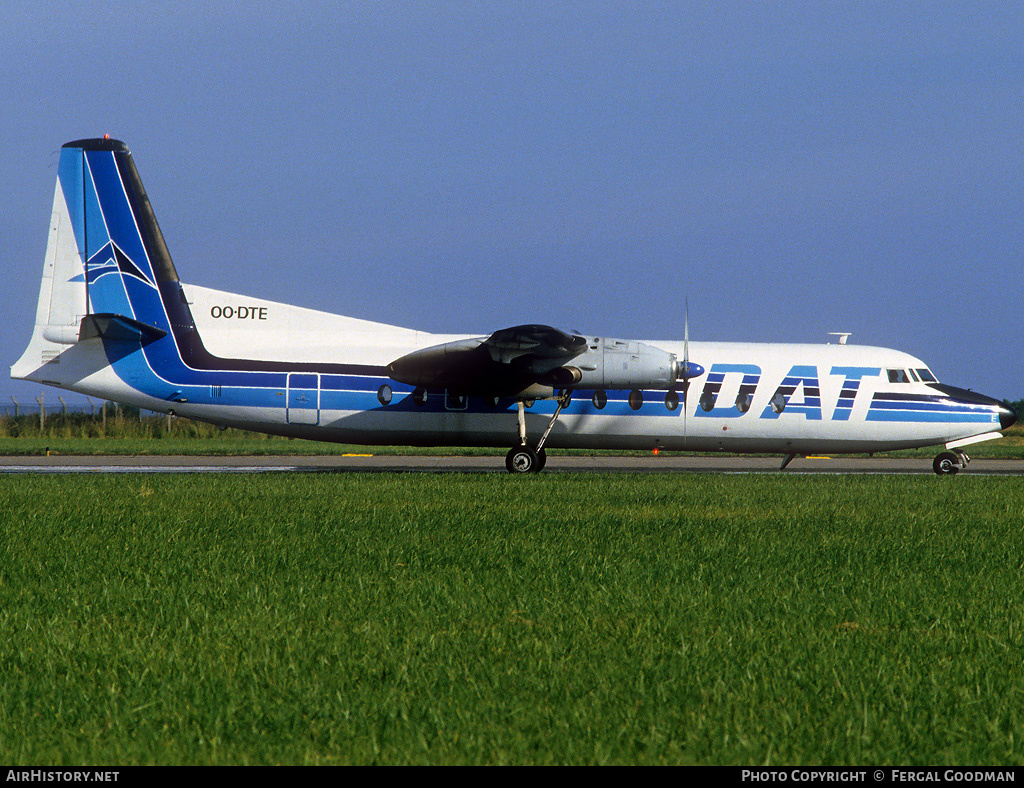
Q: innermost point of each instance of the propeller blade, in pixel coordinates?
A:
(686, 369)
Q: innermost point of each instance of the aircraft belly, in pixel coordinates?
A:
(499, 428)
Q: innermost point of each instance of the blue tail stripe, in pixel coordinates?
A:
(69, 176)
(120, 222)
(97, 237)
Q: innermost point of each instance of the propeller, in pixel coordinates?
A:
(686, 370)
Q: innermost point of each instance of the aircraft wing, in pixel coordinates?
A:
(503, 364)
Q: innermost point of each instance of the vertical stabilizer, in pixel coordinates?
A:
(103, 242)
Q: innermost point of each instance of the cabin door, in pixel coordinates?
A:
(303, 398)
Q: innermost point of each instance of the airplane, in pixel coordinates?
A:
(114, 321)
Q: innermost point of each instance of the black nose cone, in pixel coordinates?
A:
(1007, 417)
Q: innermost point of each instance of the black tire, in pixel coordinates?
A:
(542, 458)
(946, 464)
(522, 459)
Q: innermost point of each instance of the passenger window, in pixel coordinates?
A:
(454, 401)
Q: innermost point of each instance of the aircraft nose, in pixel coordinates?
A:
(1007, 417)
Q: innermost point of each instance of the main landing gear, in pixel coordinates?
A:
(950, 462)
(524, 458)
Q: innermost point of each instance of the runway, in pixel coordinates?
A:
(662, 463)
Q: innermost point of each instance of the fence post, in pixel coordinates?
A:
(42, 413)
(16, 413)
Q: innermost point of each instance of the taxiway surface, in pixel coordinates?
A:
(663, 463)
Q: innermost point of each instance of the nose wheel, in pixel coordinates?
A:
(949, 463)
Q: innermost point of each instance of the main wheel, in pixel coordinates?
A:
(522, 459)
(946, 464)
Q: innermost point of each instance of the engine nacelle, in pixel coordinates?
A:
(624, 364)
(513, 361)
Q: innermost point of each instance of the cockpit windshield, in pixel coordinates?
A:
(910, 376)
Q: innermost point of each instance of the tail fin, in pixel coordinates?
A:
(105, 259)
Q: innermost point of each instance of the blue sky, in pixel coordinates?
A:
(787, 168)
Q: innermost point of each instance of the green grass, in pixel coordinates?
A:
(492, 619)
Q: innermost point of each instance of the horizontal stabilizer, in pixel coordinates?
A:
(118, 328)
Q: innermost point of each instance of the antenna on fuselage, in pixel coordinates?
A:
(843, 336)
